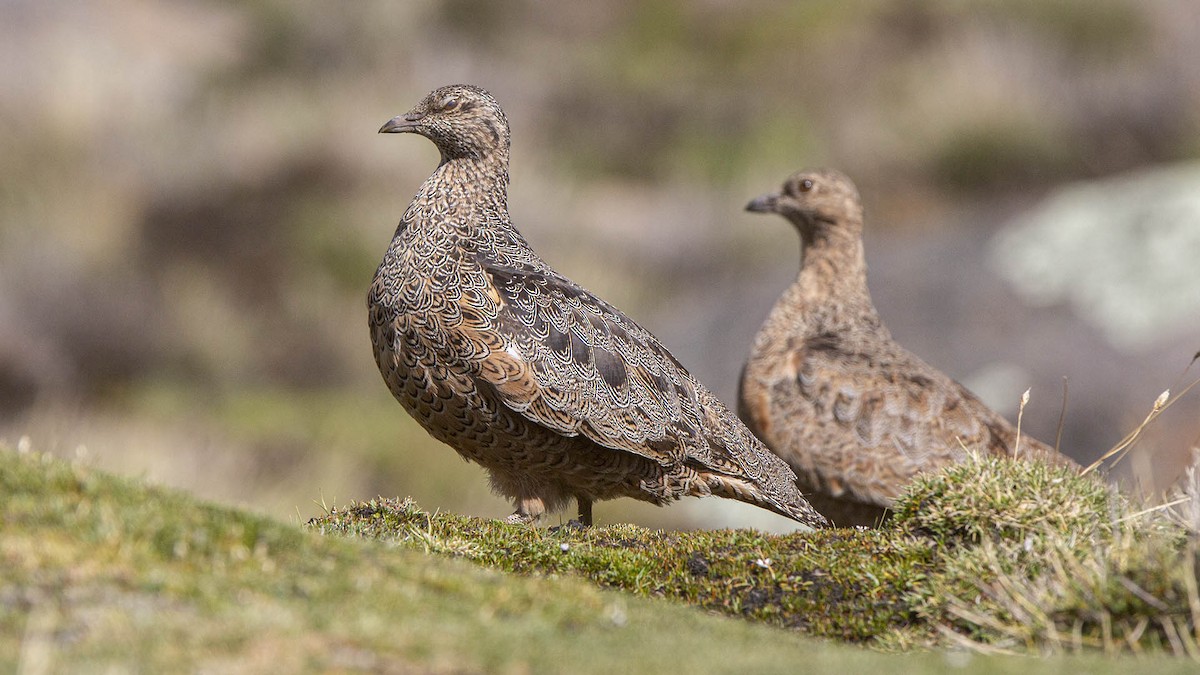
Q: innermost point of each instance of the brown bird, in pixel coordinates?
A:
(855, 414)
(554, 391)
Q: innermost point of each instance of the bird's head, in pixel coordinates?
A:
(814, 200)
(461, 119)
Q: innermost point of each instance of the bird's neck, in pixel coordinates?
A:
(830, 292)
(832, 262)
(461, 193)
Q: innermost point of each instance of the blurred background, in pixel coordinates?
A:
(193, 200)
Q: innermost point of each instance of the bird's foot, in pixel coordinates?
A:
(518, 518)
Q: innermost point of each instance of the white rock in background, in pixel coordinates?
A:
(1124, 252)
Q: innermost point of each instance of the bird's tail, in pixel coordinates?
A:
(795, 507)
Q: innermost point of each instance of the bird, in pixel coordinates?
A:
(825, 386)
(555, 392)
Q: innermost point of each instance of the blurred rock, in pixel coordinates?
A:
(1123, 252)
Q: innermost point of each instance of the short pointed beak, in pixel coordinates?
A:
(764, 203)
(400, 124)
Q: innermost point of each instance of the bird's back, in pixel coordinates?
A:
(858, 416)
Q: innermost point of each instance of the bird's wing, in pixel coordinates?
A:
(866, 420)
(574, 363)
(898, 404)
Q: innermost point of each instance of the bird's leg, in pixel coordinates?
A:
(585, 511)
(529, 510)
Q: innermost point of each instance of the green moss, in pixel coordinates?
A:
(837, 583)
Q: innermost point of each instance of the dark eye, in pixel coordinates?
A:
(450, 104)
(806, 185)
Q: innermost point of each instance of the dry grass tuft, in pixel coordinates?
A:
(989, 498)
(1036, 559)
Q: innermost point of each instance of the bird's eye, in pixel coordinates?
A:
(806, 185)
(450, 104)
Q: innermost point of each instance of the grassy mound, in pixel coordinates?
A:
(106, 573)
(1033, 558)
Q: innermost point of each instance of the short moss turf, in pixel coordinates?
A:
(836, 583)
(105, 573)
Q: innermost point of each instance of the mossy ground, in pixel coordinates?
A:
(836, 583)
(994, 554)
(106, 573)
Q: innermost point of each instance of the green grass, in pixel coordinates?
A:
(106, 573)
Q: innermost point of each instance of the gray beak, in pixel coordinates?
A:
(763, 204)
(401, 124)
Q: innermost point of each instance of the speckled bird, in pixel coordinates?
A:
(554, 391)
(855, 414)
